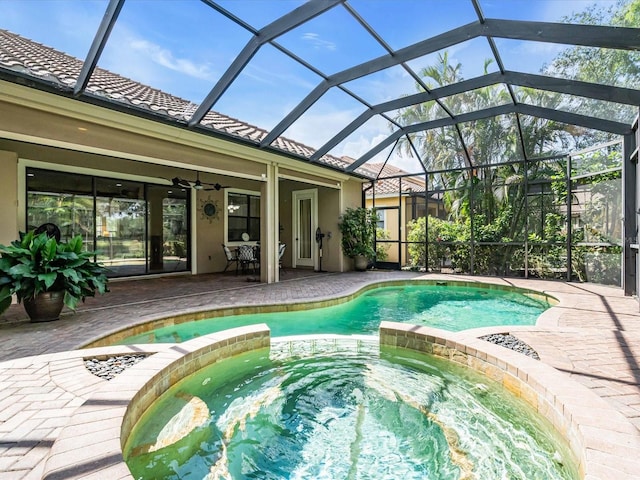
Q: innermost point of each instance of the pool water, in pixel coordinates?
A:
(452, 308)
(343, 415)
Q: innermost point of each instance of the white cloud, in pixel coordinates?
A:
(276, 76)
(541, 49)
(383, 86)
(358, 146)
(165, 58)
(318, 43)
(315, 129)
(527, 56)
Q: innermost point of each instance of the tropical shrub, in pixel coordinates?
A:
(358, 229)
(38, 263)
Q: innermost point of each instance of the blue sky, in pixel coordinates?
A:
(184, 46)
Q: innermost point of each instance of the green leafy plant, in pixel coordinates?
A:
(38, 263)
(358, 228)
(382, 248)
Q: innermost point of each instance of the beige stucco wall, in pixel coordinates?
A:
(286, 187)
(328, 215)
(45, 131)
(209, 233)
(392, 219)
(122, 143)
(8, 197)
(351, 197)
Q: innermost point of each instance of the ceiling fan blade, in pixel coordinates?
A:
(181, 182)
(197, 185)
(216, 186)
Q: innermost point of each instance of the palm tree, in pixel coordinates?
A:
(490, 199)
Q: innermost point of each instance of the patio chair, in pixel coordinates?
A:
(232, 257)
(246, 257)
(51, 229)
(281, 250)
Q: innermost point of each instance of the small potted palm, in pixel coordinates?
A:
(45, 274)
(358, 228)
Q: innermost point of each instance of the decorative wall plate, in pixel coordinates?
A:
(209, 209)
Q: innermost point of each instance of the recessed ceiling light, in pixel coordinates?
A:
(83, 129)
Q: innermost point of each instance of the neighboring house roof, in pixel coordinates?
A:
(25, 56)
(391, 186)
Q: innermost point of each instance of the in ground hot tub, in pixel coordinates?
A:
(338, 407)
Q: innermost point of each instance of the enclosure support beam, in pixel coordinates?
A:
(569, 230)
(113, 10)
(279, 27)
(526, 209)
(629, 219)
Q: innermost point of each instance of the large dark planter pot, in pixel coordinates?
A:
(360, 262)
(45, 307)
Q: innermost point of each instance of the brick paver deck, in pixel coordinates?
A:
(593, 337)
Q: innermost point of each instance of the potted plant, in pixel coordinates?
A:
(358, 228)
(46, 274)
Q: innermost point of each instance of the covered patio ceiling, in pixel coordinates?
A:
(327, 81)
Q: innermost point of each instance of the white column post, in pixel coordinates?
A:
(269, 229)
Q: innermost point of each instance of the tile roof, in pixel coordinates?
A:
(387, 186)
(25, 56)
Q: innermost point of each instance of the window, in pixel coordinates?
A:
(381, 219)
(243, 217)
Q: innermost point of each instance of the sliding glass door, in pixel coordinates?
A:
(135, 228)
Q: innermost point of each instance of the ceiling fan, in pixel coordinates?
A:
(197, 185)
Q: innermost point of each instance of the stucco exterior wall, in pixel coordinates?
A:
(49, 132)
(8, 197)
(392, 219)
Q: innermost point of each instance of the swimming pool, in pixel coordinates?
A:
(450, 307)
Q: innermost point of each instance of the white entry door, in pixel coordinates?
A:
(305, 222)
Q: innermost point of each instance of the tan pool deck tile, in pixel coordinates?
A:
(592, 337)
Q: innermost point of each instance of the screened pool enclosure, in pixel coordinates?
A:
(492, 137)
(557, 217)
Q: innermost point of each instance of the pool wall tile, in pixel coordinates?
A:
(512, 384)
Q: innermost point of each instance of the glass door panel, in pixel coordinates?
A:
(120, 226)
(62, 199)
(305, 222)
(304, 236)
(168, 229)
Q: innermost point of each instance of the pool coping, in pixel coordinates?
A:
(90, 445)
